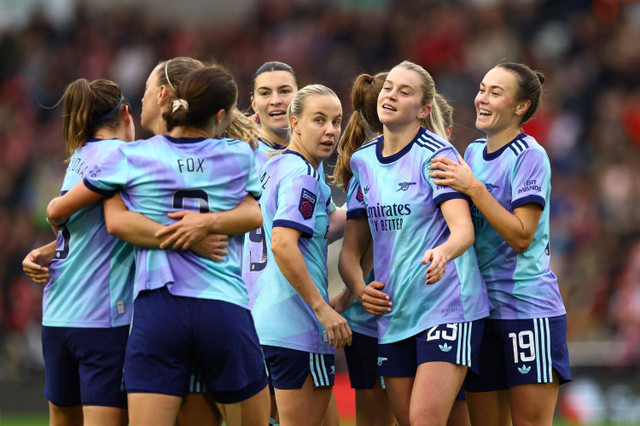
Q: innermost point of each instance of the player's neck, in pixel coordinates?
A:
(495, 141)
(396, 138)
(272, 138)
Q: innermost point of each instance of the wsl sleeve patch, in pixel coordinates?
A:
(307, 203)
(360, 195)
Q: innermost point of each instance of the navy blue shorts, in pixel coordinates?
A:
(289, 368)
(516, 352)
(84, 365)
(362, 361)
(457, 343)
(169, 333)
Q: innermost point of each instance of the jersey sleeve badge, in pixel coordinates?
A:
(307, 203)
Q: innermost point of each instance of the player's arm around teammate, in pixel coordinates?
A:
(416, 356)
(507, 177)
(199, 292)
(83, 338)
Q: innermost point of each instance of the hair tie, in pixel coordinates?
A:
(166, 75)
(110, 112)
(177, 103)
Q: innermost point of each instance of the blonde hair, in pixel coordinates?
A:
(433, 121)
(243, 128)
(296, 107)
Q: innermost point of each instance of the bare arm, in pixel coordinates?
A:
(337, 221)
(284, 245)
(193, 226)
(137, 229)
(353, 263)
(461, 237)
(79, 197)
(517, 228)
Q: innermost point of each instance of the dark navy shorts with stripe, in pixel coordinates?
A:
(516, 352)
(84, 365)
(289, 368)
(457, 343)
(169, 333)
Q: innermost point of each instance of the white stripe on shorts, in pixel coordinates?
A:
(544, 362)
(313, 370)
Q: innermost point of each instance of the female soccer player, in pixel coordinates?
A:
(87, 302)
(273, 86)
(296, 325)
(178, 294)
(372, 404)
(427, 289)
(507, 175)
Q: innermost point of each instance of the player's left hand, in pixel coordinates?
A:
(212, 246)
(437, 265)
(191, 228)
(33, 267)
(457, 175)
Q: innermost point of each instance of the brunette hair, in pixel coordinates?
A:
(362, 125)
(202, 93)
(529, 86)
(89, 106)
(273, 66)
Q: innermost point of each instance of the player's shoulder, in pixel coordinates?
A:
(526, 147)
(431, 144)
(291, 164)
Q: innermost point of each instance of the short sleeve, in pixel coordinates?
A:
(253, 184)
(297, 206)
(531, 177)
(355, 200)
(442, 193)
(109, 174)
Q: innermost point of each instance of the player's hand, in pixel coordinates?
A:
(457, 175)
(341, 301)
(212, 246)
(338, 331)
(374, 300)
(34, 267)
(437, 265)
(191, 228)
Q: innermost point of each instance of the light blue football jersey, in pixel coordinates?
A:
(254, 252)
(296, 196)
(91, 272)
(359, 320)
(165, 174)
(520, 285)
(402, 204)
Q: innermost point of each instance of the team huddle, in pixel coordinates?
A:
(188, 283)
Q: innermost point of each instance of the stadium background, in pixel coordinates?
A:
(589, 125)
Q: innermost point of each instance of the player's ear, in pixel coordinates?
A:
(424, 112)
(295, 125)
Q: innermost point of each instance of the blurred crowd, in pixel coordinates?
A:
(589, 122)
